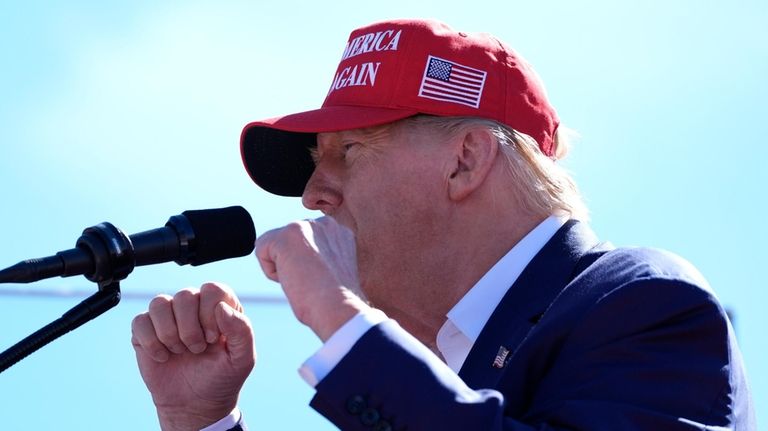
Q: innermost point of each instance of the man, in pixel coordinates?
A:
(484, 301)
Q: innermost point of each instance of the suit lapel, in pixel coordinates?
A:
(525, 303)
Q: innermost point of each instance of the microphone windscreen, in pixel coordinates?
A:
(221, 233)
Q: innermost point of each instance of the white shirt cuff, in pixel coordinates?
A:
(338, 345)
(226, 422)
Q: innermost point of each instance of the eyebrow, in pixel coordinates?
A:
(364, 135)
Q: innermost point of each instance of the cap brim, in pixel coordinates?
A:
(276, 153)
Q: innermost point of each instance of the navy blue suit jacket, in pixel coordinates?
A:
(596, 338)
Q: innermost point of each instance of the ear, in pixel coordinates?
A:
(475, 151)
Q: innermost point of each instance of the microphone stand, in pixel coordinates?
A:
(113, 259)
(107, 297)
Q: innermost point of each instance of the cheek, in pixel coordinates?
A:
(391, 196)
(394, 217)
(395, 196)
(395, 225)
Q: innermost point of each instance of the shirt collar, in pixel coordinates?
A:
(472, 312)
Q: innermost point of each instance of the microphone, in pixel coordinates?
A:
(104, 253)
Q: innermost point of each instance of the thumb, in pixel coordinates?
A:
(236, 328)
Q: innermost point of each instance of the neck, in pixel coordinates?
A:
(432, 280)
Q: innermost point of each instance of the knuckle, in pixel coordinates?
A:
(191, 336)
(185, 296)
(167, 337)
(298, 234)
(213, 293)
(296, 228)
(274, 239)
(159, 302)
(213, 288)
(151, 345)
(149, 338)
(139, 321)
(264, 238)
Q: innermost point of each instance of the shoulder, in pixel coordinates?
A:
(637, 262)
(644, 319)
(630, 289)
(624, 267)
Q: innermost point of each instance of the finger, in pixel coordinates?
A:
(144, 339)
(264, 255)
(238, 332)
(186, 306)
(210, 295)
(164, 323)
(336, 245)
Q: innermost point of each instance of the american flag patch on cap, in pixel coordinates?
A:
(452, 82)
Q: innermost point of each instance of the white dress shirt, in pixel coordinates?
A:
(227, 422)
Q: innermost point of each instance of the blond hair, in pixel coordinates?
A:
(541, 185)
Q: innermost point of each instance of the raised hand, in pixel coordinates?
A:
(314, 262)
(194, 351)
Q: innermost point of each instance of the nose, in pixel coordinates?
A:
(323, 191)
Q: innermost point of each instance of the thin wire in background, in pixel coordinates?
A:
(52, 292)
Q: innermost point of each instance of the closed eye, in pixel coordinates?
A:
(341, 151)
(347, 147)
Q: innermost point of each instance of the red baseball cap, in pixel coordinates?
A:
(392, 70)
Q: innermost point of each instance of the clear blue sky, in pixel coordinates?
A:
(130, 112)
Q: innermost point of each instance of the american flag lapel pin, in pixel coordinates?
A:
(501, 357)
